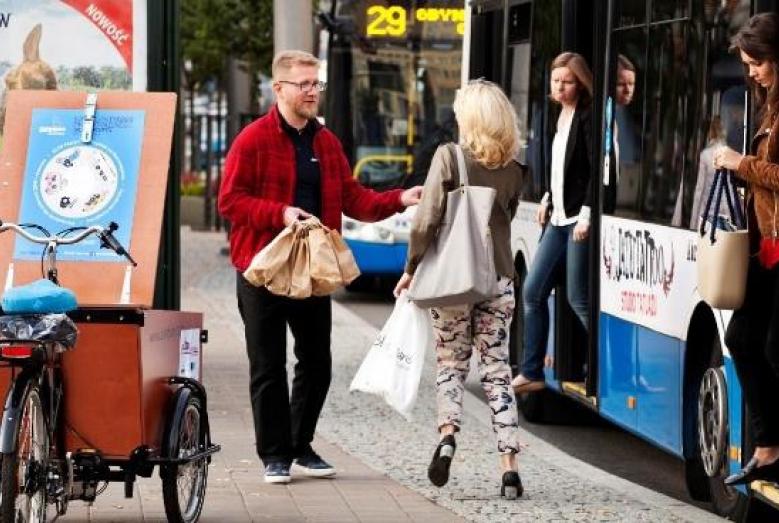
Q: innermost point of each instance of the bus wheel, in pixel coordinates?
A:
(531, 404)
(713, 438)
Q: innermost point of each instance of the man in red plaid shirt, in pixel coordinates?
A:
(283, 167)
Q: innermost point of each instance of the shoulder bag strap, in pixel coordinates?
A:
(715, 190)
(461, 165)
(734, 204)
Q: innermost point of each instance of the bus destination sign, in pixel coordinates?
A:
(395, 21)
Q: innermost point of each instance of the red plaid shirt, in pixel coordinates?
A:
(259, 183)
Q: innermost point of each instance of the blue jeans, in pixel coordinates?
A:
(555, 249)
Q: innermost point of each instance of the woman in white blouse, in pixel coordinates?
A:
(565, 213)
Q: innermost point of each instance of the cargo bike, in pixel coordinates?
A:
(88, 401)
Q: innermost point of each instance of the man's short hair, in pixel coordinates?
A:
(286, 60)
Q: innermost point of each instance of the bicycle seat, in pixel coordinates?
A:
(38, 297)
(39, 327)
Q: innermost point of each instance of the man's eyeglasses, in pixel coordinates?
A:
(306, 86)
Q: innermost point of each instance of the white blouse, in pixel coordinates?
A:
(558, 175)
(559, 144)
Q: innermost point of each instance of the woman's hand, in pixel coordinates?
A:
(581, 231)
(727, 158)
(541, 213)
(403, 283)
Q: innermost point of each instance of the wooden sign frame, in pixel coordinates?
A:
(96, 283)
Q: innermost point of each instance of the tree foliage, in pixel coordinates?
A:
(213, 30)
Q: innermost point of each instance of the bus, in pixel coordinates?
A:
(654, 361)
(393, 67)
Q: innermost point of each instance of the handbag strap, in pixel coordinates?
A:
(733, 202)
(461, 165)
(722, 183)
(709, 199)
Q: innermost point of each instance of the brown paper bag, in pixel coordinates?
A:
(271, 259)
(300, 277)
(325, 274)
(346, 263)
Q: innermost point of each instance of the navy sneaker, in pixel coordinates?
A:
(312, 465)
(277, 472)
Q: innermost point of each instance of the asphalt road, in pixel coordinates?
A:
(588, 437)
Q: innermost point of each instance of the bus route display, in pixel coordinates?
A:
(400, 20)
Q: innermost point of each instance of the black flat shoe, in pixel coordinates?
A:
(752, 472)
(511, 485)
(438, 471)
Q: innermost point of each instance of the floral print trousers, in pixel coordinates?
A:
(484, 327)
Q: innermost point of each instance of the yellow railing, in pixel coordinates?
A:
(407, 158)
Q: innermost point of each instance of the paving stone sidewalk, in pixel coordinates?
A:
(381, 458)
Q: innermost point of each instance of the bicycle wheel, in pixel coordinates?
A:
(24, 472)
(184, 486)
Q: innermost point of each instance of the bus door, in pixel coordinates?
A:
(533, 34)
(575, 358)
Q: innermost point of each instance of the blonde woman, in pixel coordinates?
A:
(489, 139)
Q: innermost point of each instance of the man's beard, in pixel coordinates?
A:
(307, 111)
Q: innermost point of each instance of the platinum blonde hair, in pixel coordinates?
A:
(487, 122)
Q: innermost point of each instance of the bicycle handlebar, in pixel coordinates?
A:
(107, 239)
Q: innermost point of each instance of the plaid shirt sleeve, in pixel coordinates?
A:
(237, 200)
(365, 204)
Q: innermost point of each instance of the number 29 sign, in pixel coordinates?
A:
(394, 20)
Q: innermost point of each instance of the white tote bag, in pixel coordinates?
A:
(393, 366)
(458, 267)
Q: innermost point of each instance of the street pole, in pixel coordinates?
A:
(292, 25)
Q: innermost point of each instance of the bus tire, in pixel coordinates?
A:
(531, 404)
(712, 424)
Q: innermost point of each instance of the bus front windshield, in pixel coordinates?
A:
(393, 69)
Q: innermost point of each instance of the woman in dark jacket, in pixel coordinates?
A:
(753, 332)
(566, 208)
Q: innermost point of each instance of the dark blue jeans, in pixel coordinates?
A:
(555, 249)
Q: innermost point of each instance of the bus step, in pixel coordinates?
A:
(578, 390)
(767, 492)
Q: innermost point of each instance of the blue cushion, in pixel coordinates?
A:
(41, 296)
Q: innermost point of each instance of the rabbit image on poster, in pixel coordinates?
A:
(32, 73)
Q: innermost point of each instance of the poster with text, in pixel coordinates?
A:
(70, 184)
(81, 45)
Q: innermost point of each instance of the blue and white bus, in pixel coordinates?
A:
(393, 67)
(654, 361)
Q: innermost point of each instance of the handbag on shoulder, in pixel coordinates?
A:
(723, 253)
(458, 268)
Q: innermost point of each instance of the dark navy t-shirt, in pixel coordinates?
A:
(308, 191)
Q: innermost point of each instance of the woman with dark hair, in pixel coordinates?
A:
(753, 333)
(566, 206)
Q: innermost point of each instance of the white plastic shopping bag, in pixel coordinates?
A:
(393, 366)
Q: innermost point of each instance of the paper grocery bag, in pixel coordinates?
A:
(300, 277)
(346, 263)
(272, 259)
(325, 273)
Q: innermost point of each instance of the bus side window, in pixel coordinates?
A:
(654, 131)
(722, 106)
(673, 86)
(627, 126)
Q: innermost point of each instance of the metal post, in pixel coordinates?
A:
(209, 170)
(164, 75)
(293, 26)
